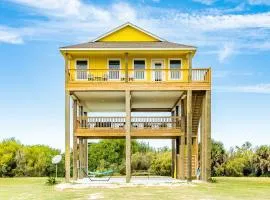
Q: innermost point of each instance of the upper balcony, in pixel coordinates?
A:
(130, 58)
(114, 78)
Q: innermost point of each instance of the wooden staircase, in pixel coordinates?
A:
(197, 98)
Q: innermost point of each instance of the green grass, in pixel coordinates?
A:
(225, 188)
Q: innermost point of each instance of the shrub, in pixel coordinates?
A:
(162, 164)
(51, 181)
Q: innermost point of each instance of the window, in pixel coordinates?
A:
(114, 69)
(139, 69)
(81, 69)
(175, 66)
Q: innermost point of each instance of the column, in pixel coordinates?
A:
(202, 141)
(75, 141)
(85, 119)
(128, 137)
(207, 135)
(182, 142)
(126, 67)
(173, 153)
(67, 136)
(174, 164)
(85, 157)
(189, 55)
(189, 135)
(177, 157)
(81, 174)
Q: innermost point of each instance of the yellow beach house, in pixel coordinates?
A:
(129, 70)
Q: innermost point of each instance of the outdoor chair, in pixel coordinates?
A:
(98, 176)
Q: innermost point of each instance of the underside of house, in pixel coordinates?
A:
(131, 84)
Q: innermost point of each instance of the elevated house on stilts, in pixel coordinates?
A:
(131, 70)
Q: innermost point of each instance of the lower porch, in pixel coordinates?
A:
(141, 127)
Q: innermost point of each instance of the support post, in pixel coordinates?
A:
(202, 141)
(126, 67)
(182, 142)
(67, 123)
(189, 135)
(189, 67)
(182, 158)
(80, 157)
(174, 164)
(75, 142)
(67, 136)
(128, 137)
(208, 135)
(85, 162)
(173, 153)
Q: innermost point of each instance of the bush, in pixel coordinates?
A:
(51, 181)
(141, 161)
(162, 164)
(212, 180)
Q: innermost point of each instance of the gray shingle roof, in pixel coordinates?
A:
(127, 45)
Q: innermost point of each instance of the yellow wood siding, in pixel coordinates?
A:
(99, 61)
(128, 33)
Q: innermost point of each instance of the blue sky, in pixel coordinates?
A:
(232, 36)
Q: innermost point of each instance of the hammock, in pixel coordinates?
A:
(97, 176)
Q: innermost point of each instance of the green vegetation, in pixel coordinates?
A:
(110, 154)
(240, 161)
(247, 188)
(19, 160)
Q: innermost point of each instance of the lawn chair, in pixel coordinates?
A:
(97, 176)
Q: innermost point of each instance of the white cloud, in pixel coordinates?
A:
(225, 52)
(63, 7)
(259, 2)
(206, 2)
(77, 21)
(258, 88)
(123, 12)
(9, 36)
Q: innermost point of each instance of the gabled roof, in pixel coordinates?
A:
(126, 25)
(129, 46)
(148, 41)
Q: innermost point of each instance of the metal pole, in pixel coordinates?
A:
(56, 171)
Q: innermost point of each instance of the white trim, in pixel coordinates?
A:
(135, 49)
(75, 64)
(169, 67)
(163, 67)
(145, 71)
(120, 74)
(123, 26)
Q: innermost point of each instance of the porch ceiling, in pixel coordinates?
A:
(108, 101)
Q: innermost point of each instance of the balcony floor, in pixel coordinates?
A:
(107, 133)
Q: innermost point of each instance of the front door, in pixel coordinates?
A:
(157, 66)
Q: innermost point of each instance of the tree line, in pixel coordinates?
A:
(240, 160)
(17, 159)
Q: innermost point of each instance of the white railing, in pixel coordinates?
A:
(147, 75)
(136, 122)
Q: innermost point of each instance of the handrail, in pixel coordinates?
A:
(140, 122)
(141, 75)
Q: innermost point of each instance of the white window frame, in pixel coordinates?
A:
(163, 67)
(120, 67)
(133, 66)
(180, 72)
(87, 69)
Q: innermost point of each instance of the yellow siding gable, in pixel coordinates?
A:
(128, 34)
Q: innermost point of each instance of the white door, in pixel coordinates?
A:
(157, 66)
(114, 69)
